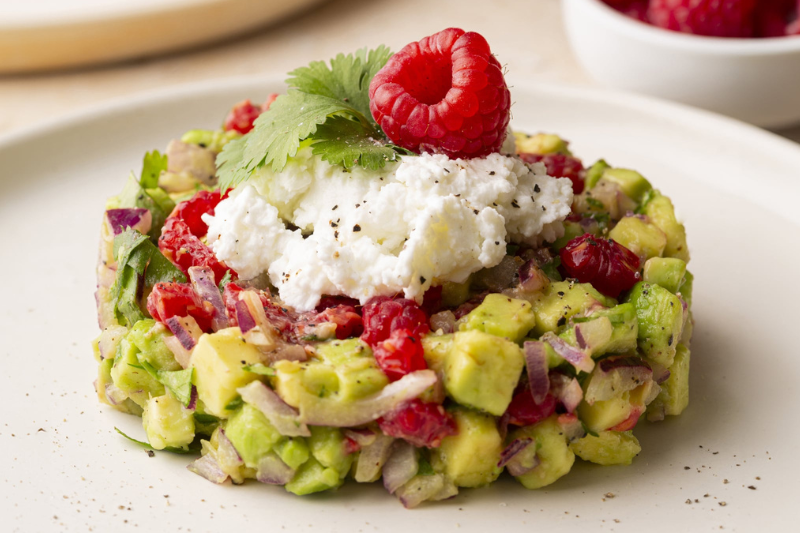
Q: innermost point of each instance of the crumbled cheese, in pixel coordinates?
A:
(319, 229)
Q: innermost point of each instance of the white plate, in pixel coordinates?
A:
(49, 34)
(64, 468)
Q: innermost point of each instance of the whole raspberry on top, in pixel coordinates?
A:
(713, 18)
(445, 93)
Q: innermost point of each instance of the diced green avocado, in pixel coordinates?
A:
(313, 477)
(660, 315)
(541, 143)
(595, 172)
(626, 329)
(482, 370)
(214, 140)
(218, 360)
(661, 212)
(104, 379)
(552, 449)
(148, 336)
(686, 288)
(436, 348)
(608, 448)
(251, 434)
(561, 300)
(642, 238)
(633, 184)
(470, 457)
(674, 395)
(167, 423)
(501, 316)
(328, 447)
(455, 294)
(293, 451)
(668, 272)
(605, 414)
(129, 376)
(345, 371)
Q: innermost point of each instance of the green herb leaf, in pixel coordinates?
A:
(259, 369)
(147, 446)
(425, 468)
(234, 404)
(154, 163)
(225, 280)
(345, 142)
(205, 419)
(178, 382)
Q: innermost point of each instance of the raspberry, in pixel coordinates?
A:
(560, 166)
(242, 116)
(713, 18)
(382, 315)
(190, 211)
(178, 299)
(185, 249)
(445, 93)
(400, 354)
(608, 266)
(421, 424)
(773, 16)
(523, 411)
(347, 320)
(636, 9)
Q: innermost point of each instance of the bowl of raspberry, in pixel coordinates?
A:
(740, 58)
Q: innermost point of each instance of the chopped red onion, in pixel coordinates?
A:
(516, 446)
(119, 220)
(615, 375)
(273, 471)
(192, 399)
(519, 457)
(256, 328)
(203, 284)
(283, 416)
(208, 468)
(182, 355)
(363, 411)
(401, 466)
(191, 159)
(444, 320)
(287, 352)
(243, 317)
(447, 491)
(590, 335)
(536, 363)
(185, 329)
(531, 277)
(114, 394)
(372, 459)
(566, 390)
(227, 455)
(578, 358)
(420, 489)
(363, 437)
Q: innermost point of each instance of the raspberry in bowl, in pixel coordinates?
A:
(735, 57)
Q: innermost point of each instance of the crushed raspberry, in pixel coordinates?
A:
(629, 423)
(382, 315)
(184, 249)
(523, 411)
(347, 320)
(560, 166)
(432, 300)
(242, 116)
(421, 424)
(445, 93)
(607, 265)
(400, 354)
(191, 210)
(636, 9)
(713, 18)
(178, 299)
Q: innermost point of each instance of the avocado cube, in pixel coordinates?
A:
(608, 448)
(455, 294)
(674, 395)
(251, 433)
(604, 414)
(167, 423)
(668, 272)
(293, 451)
(595, 172)
(571, 230)
(327, 445)
(501, 316)
(686, 288)
(313, 477)
(148, 337)
(626, 329)
(633, 184)
(482, 370)
(218, 360)
(129, 376)
(436, 348)
(555, 457)
(541, 143)
(660, 316)
(661, 212)
(470, 457)
(642, 238)
(561, 300)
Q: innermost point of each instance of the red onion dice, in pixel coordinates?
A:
(119, 220)
(209, 469)
(372, 459)
(401, 466)
(578, 358)
(203, 284)
(567, 390)
(283, 416)
(273, 471)
(536, 364)
(616, 375)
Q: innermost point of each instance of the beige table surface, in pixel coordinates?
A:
(526, 35)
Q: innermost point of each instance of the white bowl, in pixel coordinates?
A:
(755, 80)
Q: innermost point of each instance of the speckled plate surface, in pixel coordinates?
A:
(729, 461)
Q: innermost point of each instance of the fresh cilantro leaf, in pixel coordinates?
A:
(234, 404)
(259, 369)
(425, 468)
(152, 166)
(147, 446)
(347, 79)
(179, 382)
(345, 142)
(205, 419)
(587, 430)
(140, 265)
(225, 280)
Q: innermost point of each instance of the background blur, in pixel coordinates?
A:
(526, 35)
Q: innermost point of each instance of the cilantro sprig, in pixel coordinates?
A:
(327, 105)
